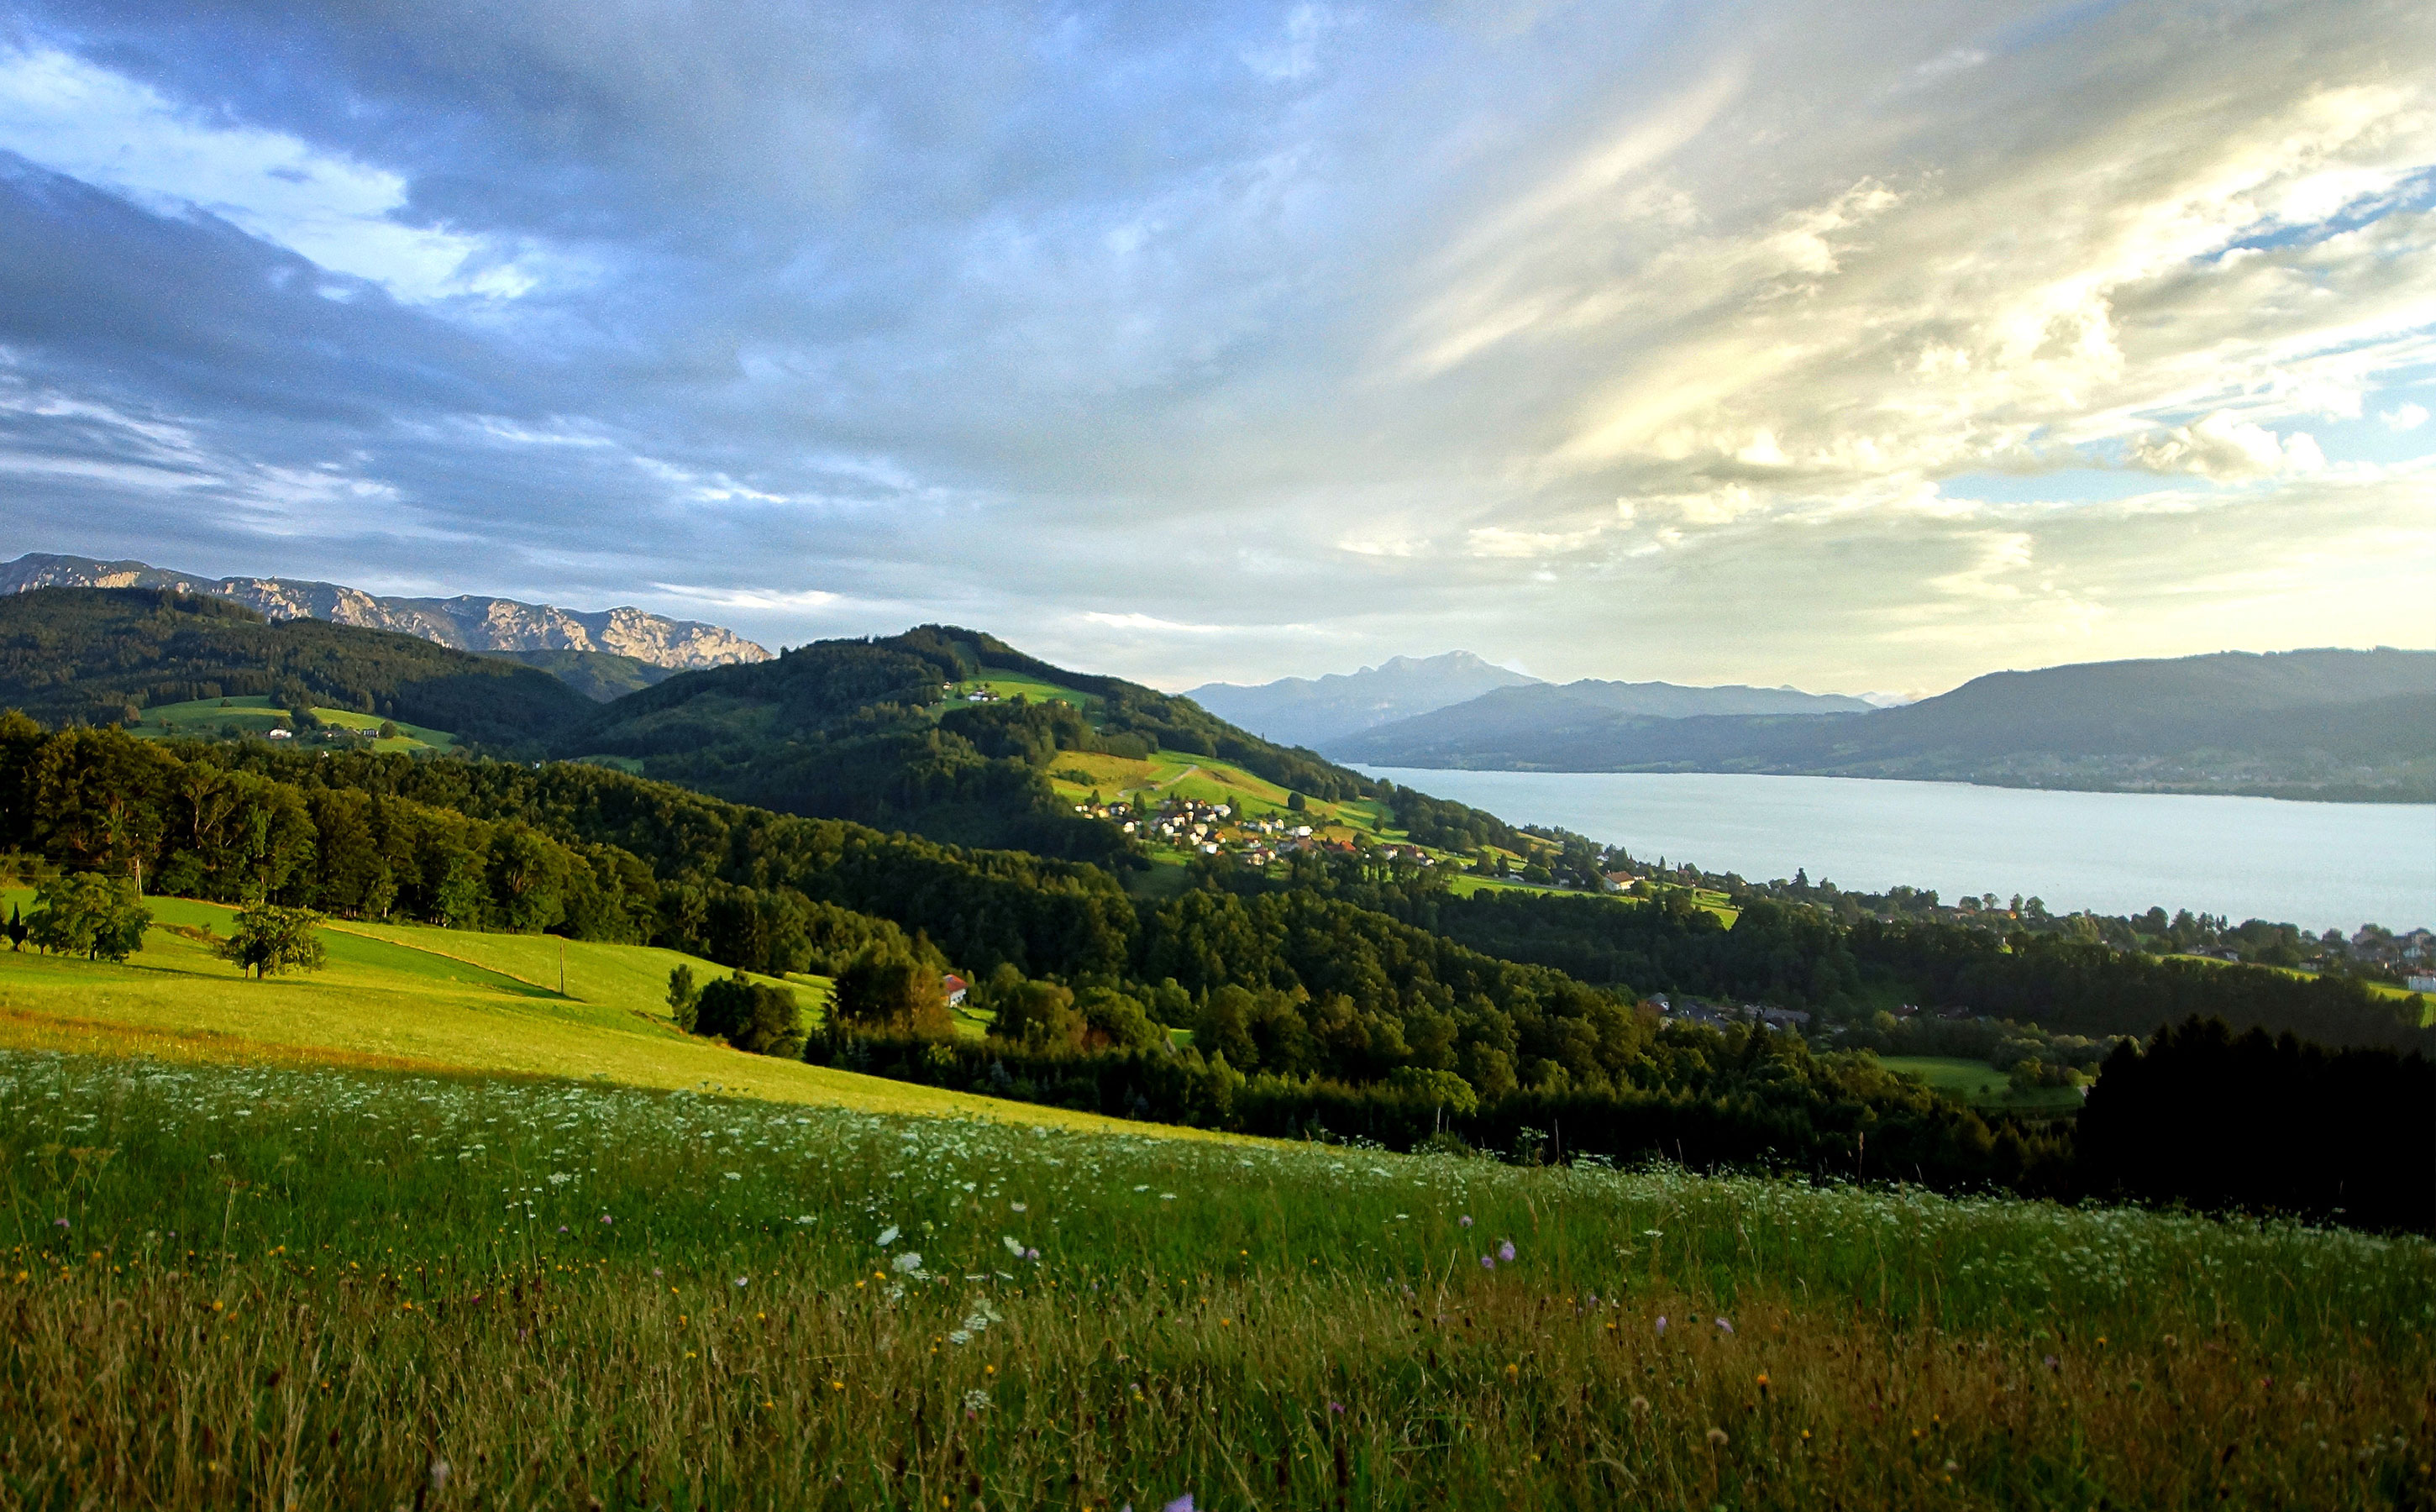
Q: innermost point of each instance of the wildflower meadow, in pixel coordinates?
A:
(299, 1288)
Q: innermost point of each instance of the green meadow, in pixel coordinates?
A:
(1008, 685)
(240, 1285)
(257, 714)
(404, 997)
(427, 1229)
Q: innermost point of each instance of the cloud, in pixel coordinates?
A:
(2222, 447)
(1783, 342)
(87, 123)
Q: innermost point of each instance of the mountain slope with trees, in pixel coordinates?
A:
(101, 655)
(866, 730)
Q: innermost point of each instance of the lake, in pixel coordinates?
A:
(2316, 864)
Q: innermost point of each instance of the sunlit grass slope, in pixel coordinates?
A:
(241, 1287)
(398, 996)
(256, 714)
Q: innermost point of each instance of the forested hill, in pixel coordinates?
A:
(100, 656)
(2306, 724)
(867, 730)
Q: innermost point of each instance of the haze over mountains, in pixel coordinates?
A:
(1329, 710)
(1306, 711)
(601, 653)
(2325, 723)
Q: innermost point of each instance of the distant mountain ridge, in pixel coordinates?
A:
(2318, 723)
(467, 622)
(1517, 726)
(102, 656)
(1305, 711)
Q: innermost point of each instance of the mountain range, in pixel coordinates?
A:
(1306, 711)
(2323, 723)
(601, 653)
(1329, 712)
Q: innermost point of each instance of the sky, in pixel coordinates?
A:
(1861, 348)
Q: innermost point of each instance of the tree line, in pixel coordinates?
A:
(1351, 1003)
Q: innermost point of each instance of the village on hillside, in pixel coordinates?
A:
(1226, 829)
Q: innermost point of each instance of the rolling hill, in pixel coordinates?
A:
(944, 731)
(2328, 723)
(103, 655)
(1510, 724)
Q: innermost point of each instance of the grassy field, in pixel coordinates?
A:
(436, 999)
(1008, 685)
(1979, 1086)
(245, 1286)
(258, 715)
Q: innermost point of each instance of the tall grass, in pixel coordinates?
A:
(311, 1288)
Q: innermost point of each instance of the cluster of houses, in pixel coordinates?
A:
(2409, 949)
(1687, 1010)
(1217, 828)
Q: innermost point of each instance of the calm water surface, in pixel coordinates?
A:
(2317, 864)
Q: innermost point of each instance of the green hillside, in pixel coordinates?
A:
(404, 997)
(107, 655)
(258, 715)
(942, 731)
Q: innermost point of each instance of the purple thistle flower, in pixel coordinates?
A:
(1505, 1251)
(1725, 1327)
(1662, 1324)
(59, 1223)
(1465, 1220)
(1487, 1263)
(1182, 1504)
(1336, 1407)
(605, 1218)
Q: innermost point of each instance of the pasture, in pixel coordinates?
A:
(252, 1286)
(258, 715)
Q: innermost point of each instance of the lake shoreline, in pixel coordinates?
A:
(2406, 798)
(2317, 864)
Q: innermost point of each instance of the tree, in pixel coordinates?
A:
(756, 1017)
(684, 998)
(882, 989)
(17, 931)
(101, 918)
(1296, 803)
(1037, 1015)
(270, 939)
